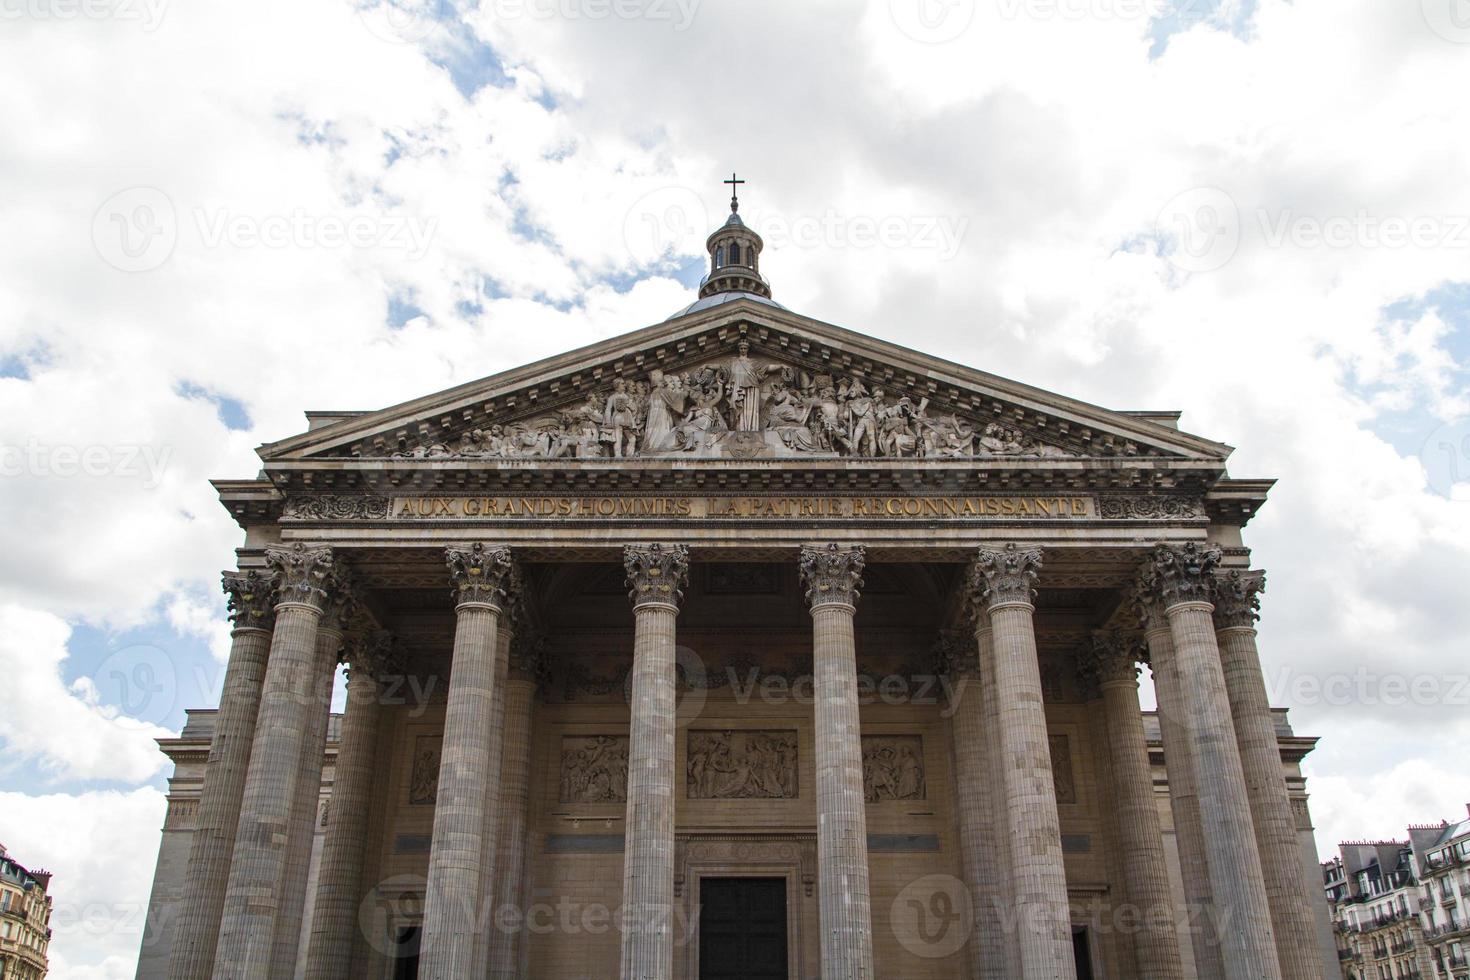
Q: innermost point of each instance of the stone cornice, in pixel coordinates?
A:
(832, 575)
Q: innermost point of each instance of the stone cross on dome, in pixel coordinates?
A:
(734, 183)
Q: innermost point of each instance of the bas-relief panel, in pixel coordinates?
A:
(740, 407)
(594, 769)
(423, 780)
(1061, 768)
(893, 768)
(741, 765)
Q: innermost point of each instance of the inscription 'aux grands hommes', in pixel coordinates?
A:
(1023, 507)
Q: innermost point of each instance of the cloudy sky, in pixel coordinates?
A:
(216, 215)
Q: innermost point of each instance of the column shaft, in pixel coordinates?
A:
(979, 843)
(1184, 802)
(996, 801)
(305, 800)
(485, 931)
(339, 888)
(1270, 805)
(842, 830)
(203, 899)
(1037, 869)
(1140, 835)
(515, 796)
(253, 897)
(1247, 944)
(452, 898)
(648, 864)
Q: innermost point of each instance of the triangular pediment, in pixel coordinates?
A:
(743, 381)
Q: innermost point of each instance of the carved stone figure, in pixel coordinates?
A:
(745, 390)
(423, 780)
(594, 769)
(742, 765)
(893, 768)
(621, 417)
(703, 422)
(666, 400)
(1061, 768)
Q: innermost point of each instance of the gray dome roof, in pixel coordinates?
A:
(709, 302)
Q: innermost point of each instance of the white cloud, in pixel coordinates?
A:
(101, 847)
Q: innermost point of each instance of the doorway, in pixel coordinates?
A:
(742, 929)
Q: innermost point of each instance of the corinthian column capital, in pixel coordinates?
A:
(310, 576)
(832, 574)
(1184, 573)
(1238, 598)
(373, 652)
(1112, 657)
(656, 575)
(480, 574)
(1003, 575)
(251, 598)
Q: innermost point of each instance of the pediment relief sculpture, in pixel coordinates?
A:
(742, 407)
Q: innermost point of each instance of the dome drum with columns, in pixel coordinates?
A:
(741, 645)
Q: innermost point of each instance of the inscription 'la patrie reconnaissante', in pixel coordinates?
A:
(1022, 507)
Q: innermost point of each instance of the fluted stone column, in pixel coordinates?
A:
(998, 811)
(339, 885)
(1183, 796)
(1182, 577)
(1112, 665)
(832, 577)
(252, 599)
(309, 579)
(515, 797)
(306, 793)
(656, 577)
(490, 835)
(1002, 582)
(452, 898)
(975, 781)
(1237, 597)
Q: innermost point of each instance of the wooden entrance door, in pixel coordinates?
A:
(742, 929)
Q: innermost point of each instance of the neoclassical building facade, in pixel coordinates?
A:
(742, 645)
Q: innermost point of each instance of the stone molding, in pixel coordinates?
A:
(1237, 596)
(1150, 507)
(310, 576)
(998, 576)
(335, 507)
(481, 574)
(656, 575)
(251, 598)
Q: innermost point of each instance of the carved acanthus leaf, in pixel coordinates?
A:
(480, 574)
(251, 598)
(1004, 575)
(1238, 597)
(1111, 657)
(1185, 573)
(656, 574)
(307, 575)
(832, 574)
